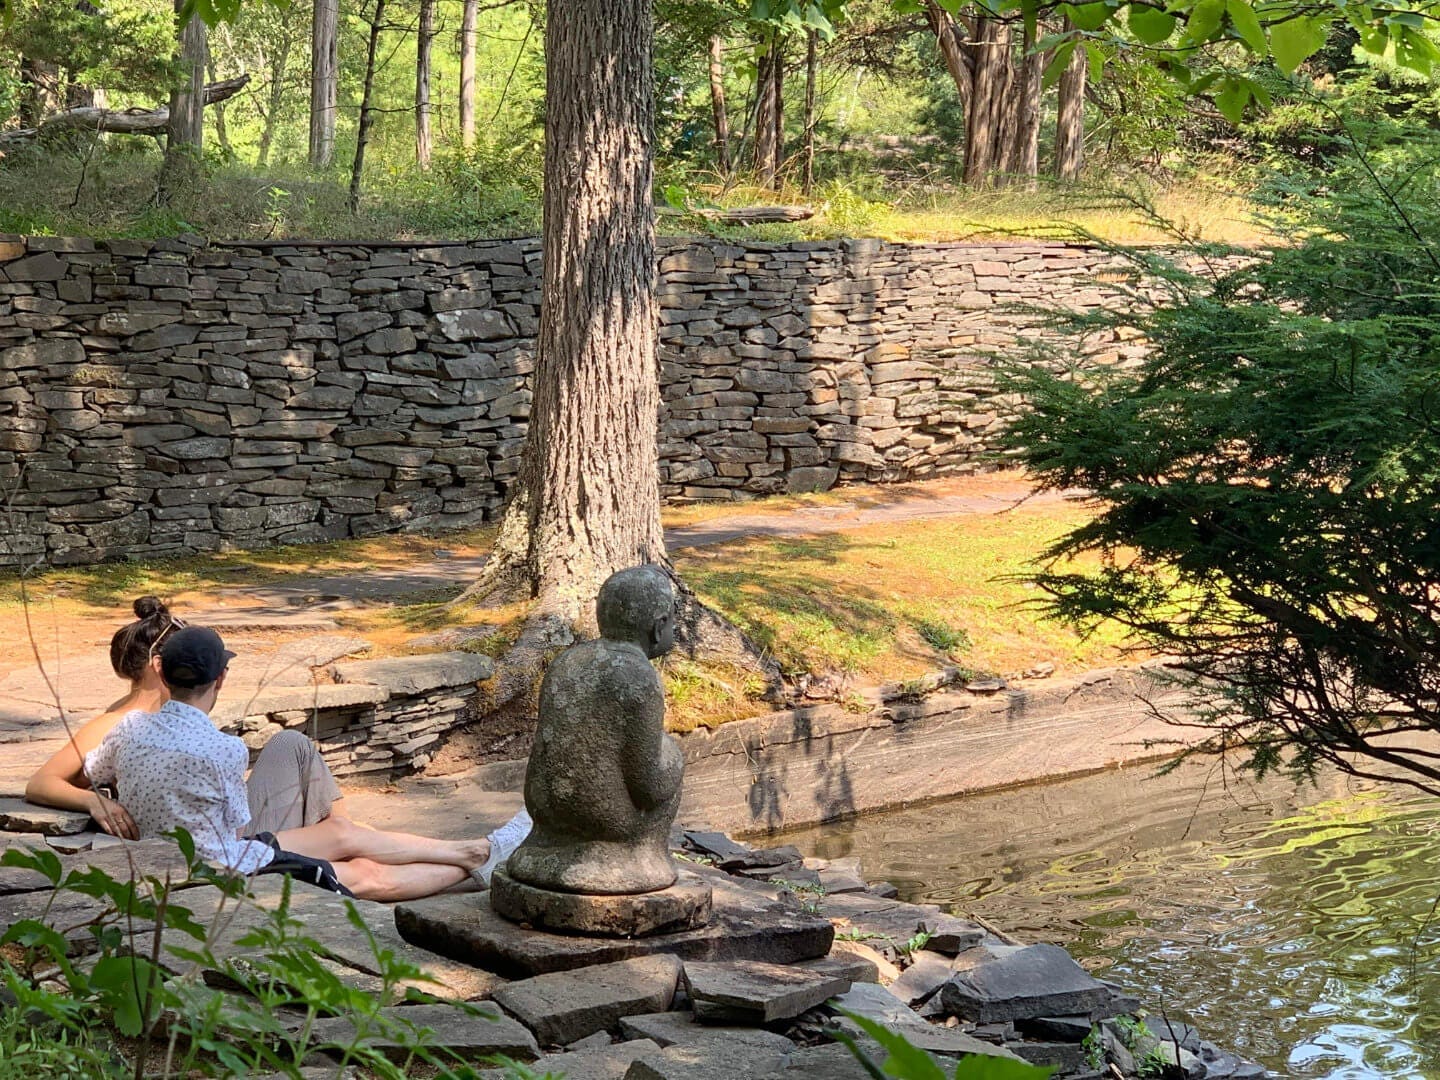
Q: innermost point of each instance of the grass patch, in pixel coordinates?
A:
(883, 603)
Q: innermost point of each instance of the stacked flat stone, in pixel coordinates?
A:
(174, 396)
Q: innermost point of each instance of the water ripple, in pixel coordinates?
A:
(1295, 926)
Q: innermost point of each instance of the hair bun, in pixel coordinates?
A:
(147, 607)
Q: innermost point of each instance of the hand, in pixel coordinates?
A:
(113, 818)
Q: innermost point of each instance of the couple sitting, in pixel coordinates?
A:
(170, 767)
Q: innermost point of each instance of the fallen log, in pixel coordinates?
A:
(746, 215)
(119, 121)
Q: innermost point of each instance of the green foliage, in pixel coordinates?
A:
(144, 955)
(939, 634)
(122, 45)
(907, 1062)
(1269, 477)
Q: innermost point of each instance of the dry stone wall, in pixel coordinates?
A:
(178, 396)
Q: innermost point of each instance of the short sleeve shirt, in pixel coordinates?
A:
(174, 769)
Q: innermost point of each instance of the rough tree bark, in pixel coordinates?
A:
(1070, 117)
(717, 103)
(770, 114)
(807, 176)
(324, 81)
(367, 108)
(1024, 155)
(424, 45)
(468, 19)
(185, 128)
(587, 502)
(1001, 97)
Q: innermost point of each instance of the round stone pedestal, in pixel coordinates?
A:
(683, 906)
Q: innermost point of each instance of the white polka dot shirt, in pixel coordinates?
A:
(173, 769)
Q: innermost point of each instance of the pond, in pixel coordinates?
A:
(1297, 926)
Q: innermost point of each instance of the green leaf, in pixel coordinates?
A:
(1150, 25)
(1295, 41)
(1088, 16)
(1232, 99)
(1096, 56)
(1204, 20)
(904, 1059)
(125, 984)
(1247, 25)
(1058, 63)
(907, 7)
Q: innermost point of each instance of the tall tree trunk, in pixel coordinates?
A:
(278, 65)
(367, 110)
(324, 81)
(1024, 158)
(986, 124)
(807, 177)
(588, 500)
(185, 130)
(468, 20)
(767, 106)
(424, 45)
(717, 103)
(1070, 117)
(770, 114)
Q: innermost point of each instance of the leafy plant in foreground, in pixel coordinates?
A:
(237, 994)
(905, 1061)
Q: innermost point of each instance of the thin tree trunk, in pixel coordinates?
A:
(717, 103)
(367, 112)
(185, 127)
(1024, 159)
(324, 81)
(1070, 117)
(425, 42)
(588, 500)
(777, 115)
(468, 20)
(278, 63)
(807, 178)
(222, 136)
(767, 154)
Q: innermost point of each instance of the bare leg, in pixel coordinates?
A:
(370, 880)
(339, 839)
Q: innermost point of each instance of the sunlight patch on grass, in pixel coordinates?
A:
(893, 602)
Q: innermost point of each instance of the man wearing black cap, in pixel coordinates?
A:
(174, 769)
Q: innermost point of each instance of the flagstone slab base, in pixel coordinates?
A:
(686, 905)
(745, 925)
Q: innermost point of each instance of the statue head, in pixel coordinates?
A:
(638, 605)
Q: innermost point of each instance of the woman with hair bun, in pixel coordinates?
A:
(135, 656)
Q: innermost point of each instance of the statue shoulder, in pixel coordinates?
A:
(602, 662)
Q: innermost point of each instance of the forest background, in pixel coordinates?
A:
(862, 110)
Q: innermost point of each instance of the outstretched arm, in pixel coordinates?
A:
(61, 782)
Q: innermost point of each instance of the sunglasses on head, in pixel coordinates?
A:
(175, 624)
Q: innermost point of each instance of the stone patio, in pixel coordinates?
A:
(758, 995)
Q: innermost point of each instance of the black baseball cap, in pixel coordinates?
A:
(194, 656)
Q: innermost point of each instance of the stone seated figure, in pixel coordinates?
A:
(603, 782)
